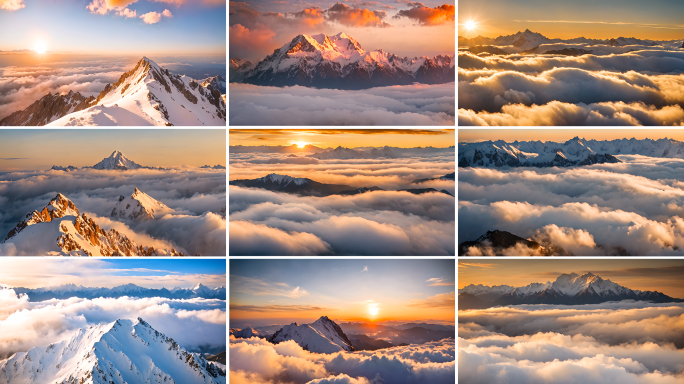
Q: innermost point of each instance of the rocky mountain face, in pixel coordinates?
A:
(248, 332)
(574, 152)
(218, 82)
(71, 290)
(124, 351)
(321, 336)
(48, 109)
(238, 68)
(57, 229)
(498, 241)
(70, 168)
(138, 206)
(339, 62)
(146, 95)
(567, 289)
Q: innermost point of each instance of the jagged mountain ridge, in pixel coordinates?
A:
(218, 82)
(124, 351)
(499, 241)
(339, 62)
(567, 289)
(574, 152)
(146, 95)
(57, 229)
(307, 187)
(131, 290)
(116, 161)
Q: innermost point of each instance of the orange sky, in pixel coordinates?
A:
(273, 291)
(328, 138)
(664, 276)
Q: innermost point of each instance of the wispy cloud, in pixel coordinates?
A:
(365, 269)
(436, 301)
(259, 287)
(276, 308)
(641, 25)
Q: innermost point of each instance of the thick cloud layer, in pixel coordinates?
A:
(22, 86)
(194, 195)
(636, 88)
(390, 106)
(637, 205)
(27, 324)
(258, 361)
(626, 342)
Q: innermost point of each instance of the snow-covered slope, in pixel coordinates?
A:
(139, 206)
(340, 62)
(569, 289)
(549, 154)
(151, 95)
(238, 68)
(58, 230)
(124, 351)
(283, 180)
(321, 336)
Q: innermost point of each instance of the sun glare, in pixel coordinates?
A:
(470, 25)
(373, 309)
(300, 144)
(40, 47)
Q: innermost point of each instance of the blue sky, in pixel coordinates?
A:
(68, 26)
(24, 149)
(149, 273)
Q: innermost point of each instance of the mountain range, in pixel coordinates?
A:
(116, 161)
(339, 62)
(307, 187)
(528, 42)
(326, 336)
(574, 152)
(567, 289)
(58, 230)
(341, 153)
(124, 351)
(146, 95)
(67, 291)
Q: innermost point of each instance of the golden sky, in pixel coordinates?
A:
(664, 276)
(564, 134)
(350, 138)
(348, 290)
(565, 19)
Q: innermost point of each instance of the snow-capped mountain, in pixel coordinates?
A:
(523, 40)
(69, 168)
(146, 95)
(238, 68)
(321, 336)
(218, 82)
(567, 289)
(58, 230)
(217, 166)
(48, 109)
(117, 160)
(124, 351)
(139, 206)
(498, 241)
(71, 290)
(574, 152)
(339, 62)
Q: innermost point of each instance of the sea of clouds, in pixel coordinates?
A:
(256, 361)
(384, 222)
(637, 205)
(399, 105)
(615, 342)
(645, 87)
(25, 324)
(195, 196)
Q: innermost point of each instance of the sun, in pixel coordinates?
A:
(301, 144)
(40, 47)
(470, 25)
(373, 309)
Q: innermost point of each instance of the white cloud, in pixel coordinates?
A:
(396, 105)
(151, 17)
(12, 5)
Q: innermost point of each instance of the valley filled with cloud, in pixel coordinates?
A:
(381, 222)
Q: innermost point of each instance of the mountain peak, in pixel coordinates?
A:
(138, 206)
